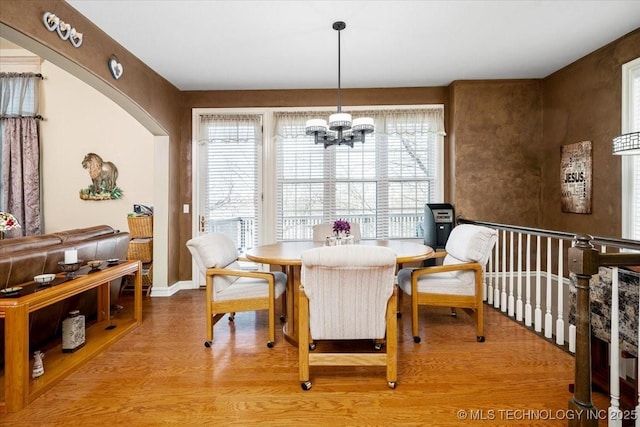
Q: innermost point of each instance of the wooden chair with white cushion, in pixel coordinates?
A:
(348, 293)
(455, 283)
(231, 289)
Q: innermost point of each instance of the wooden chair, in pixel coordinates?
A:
(321, 231)
(231, 289)
(455, 283)
(348, 293)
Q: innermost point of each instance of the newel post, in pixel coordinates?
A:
(583, 262)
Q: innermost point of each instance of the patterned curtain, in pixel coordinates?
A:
(20, 151)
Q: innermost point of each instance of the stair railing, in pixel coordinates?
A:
(504, 289)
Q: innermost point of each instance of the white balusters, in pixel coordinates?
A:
(538, 311)
(548, 317)
(503, 294)
(527, 305)
(496, 289)
(519, 308)
(511, 298)
(615, 415)
(560, 275)
(491, 277)
(487, 284)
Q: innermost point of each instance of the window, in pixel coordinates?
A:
(274, 184)
(18, 98)
(631, 164)
(229, 185)
(382, 184)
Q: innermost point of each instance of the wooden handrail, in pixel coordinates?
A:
(596, 240)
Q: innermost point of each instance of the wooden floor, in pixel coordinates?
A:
(161, 373)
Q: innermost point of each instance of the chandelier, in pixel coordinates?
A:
(340, 130)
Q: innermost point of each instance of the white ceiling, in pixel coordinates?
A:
(242, 44)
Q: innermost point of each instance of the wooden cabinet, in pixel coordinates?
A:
(17, 388)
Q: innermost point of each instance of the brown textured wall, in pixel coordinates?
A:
(582, 102)
(496, 133)
(140, 90)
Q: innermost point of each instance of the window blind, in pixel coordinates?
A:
(230, 154)
(635, 160)
(382, 184)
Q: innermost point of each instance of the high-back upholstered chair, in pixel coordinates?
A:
(455, 283)
(321, 231)
(230, 289)
(347, 293)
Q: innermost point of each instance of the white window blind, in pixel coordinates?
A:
(382, 184)
(229, 153)
(635, 126)
(631, 164)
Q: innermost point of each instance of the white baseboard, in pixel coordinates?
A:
(158, 291)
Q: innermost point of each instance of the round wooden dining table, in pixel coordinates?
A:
(287, 256)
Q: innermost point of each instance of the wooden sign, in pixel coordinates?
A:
(575, 177)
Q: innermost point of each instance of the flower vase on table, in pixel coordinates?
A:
(341, 229)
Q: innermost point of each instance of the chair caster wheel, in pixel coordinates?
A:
(207, 344)
(231, 318)
(282, 318)
(480, 338)
(312, 346)
(392, 384)
(306, 385)
(416, 339)
(270, 344)
(454, 313)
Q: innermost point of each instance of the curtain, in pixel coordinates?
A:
(20, 151)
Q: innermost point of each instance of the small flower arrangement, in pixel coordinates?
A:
(8, 222)
(341, 226)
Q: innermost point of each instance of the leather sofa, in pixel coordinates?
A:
(23, 258)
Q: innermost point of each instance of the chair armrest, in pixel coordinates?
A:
(439, 254)
(239, 273)
(445, 268)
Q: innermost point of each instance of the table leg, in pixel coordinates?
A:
(137, 280)
(16, 357)
(290, 329)
(104, 297)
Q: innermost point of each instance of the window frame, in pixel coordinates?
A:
(267, 209)
(628, 172)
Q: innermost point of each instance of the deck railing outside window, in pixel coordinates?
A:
(243, 232)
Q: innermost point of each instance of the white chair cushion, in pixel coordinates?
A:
(348, 289)
(249, 287)
(215, 250)
(470, 243)
(447, 283)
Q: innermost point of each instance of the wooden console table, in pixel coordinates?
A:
(17, 388)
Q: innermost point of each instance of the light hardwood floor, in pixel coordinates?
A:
(161, 373)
